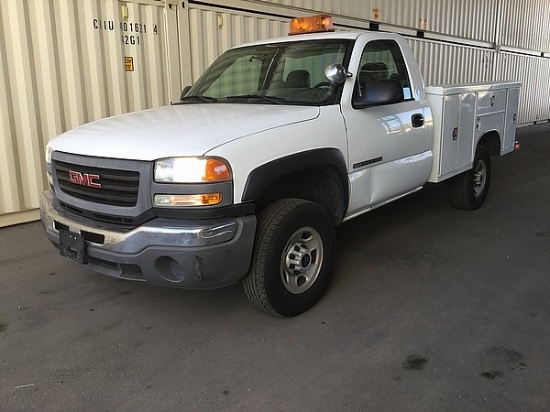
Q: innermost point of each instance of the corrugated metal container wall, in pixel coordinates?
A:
(534, 73)
(443, 63)
(526, 25)
(469, 19)
(523, 24)
(64, 63)
(216, 30)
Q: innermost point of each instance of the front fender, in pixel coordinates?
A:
(266, 174)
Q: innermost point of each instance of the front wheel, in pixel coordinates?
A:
(468, 190)
(293, 253)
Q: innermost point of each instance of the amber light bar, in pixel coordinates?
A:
(311, 24)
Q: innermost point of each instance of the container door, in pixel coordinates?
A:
(149, 37)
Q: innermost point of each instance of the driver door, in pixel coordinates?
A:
(389, 145)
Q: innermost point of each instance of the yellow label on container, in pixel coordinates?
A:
(129, 64)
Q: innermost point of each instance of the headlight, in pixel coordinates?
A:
(48, 154)
(192, 170)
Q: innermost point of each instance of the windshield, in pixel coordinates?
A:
(283, 73)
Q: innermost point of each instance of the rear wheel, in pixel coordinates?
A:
(468, 190)
(292, 260)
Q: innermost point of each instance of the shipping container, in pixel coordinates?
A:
(214, 30)
(467, 19)
(64, 63)
(534, 74)
(445, 63)
(525, 25)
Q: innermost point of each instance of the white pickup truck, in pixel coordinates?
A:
(277, 143)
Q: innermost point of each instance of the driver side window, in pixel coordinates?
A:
(382, 60)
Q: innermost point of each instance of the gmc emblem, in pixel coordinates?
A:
(84, 179)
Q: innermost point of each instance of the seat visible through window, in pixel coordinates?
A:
(298, 79)
(371, 72)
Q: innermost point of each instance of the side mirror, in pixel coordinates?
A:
(336, 74)
(379, 93)
(184, 92)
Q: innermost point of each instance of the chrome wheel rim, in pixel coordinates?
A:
(480, 177)
(301, 260)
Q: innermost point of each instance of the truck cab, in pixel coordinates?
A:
(383, 156)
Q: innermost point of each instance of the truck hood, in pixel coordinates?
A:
(178, 130)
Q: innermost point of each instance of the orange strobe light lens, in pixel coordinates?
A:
(311, 24)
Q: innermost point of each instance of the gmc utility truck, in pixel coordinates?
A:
(278, 142)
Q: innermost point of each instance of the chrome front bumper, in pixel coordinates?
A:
(193, 254)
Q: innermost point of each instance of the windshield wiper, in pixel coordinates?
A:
(270, 99)
(204, 99)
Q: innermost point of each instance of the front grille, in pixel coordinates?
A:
(118, 187)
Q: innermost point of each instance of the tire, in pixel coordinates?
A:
(292, 260)
(468, 190)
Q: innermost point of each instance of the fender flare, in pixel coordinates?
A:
(264, 175)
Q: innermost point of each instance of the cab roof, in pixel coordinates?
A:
(339, 35)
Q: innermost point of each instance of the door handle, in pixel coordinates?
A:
(417, 120)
